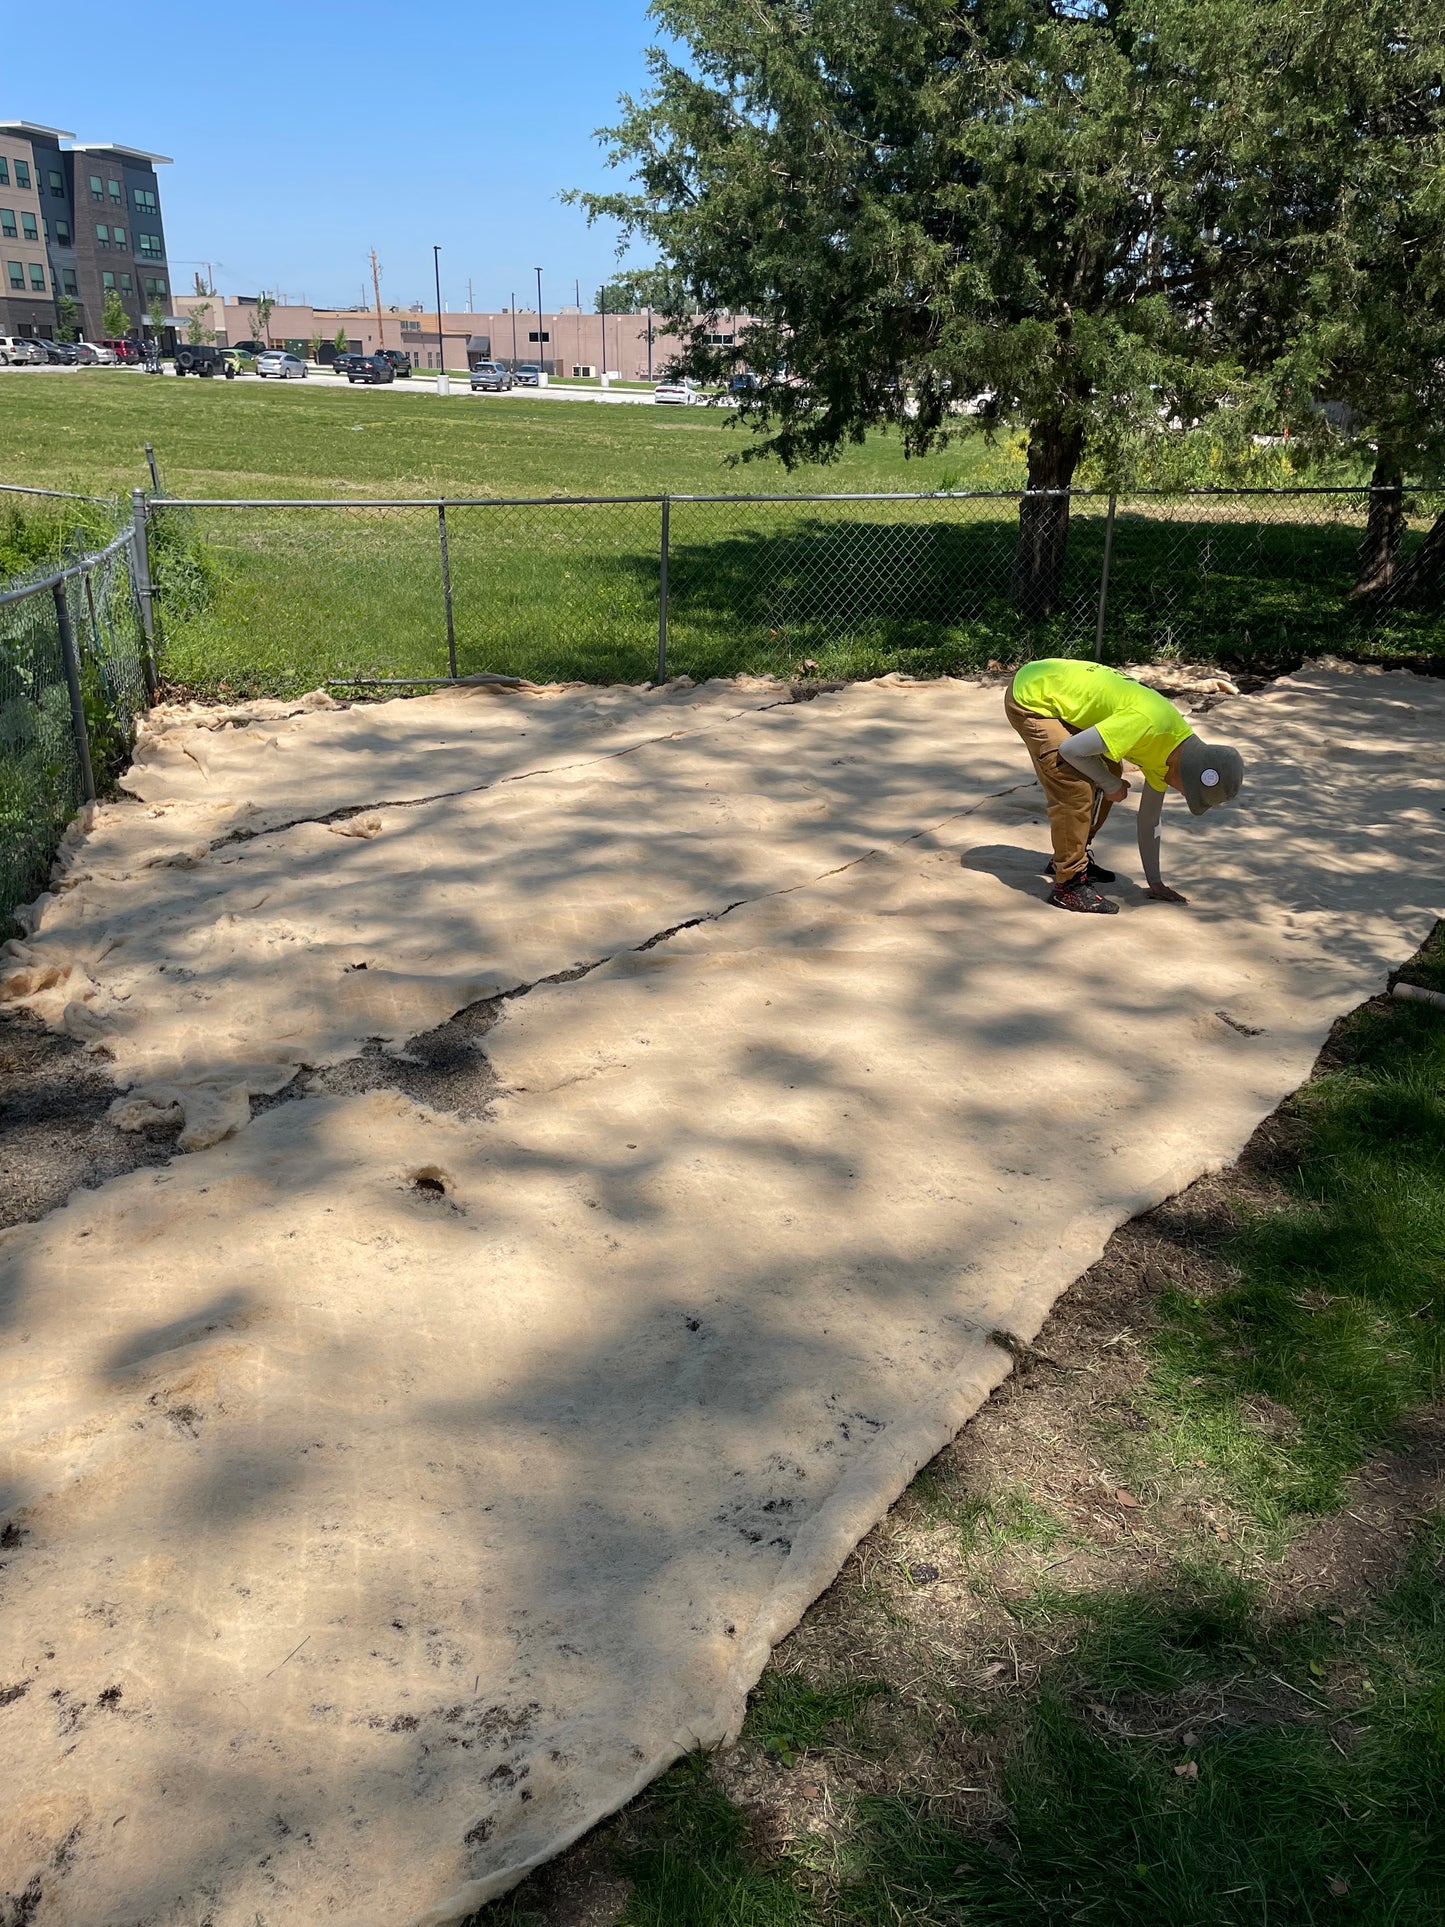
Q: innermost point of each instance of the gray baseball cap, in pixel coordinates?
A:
(1209, 772)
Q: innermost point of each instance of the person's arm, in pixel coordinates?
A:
(1151, 805)
(1087, 752)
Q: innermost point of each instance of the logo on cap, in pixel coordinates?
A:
(1209, 778)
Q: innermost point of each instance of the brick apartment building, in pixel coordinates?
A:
(570, 341)
(77, 220)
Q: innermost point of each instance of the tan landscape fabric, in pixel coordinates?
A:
(390, 1493)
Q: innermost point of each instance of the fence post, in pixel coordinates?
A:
(141, 568)
(447, 591)
(662, 595)
(77, 701)
(1104, 578)
(151, 465)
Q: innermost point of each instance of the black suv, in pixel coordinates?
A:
(400, 361)
(372, 368)
(194, 359)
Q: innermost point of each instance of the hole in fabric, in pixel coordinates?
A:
(429, 1183)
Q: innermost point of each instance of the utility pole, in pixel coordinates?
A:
(471, 298)
(513, 299)
(541, 346)
(602, 304)
(376, 290)
(442, 386)
(649, 341)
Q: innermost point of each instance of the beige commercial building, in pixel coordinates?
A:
(630, 346)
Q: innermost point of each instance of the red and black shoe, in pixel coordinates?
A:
(1079, 894)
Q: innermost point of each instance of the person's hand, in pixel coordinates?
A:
(1163, 894)
(1118, 795)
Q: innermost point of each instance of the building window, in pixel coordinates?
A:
(62, 234)
(117, 234)
(410, 326)
(57, 185)
(115, 193)
(4, 173)
(22, 173)
(7, 222)
(102, 236)
(145, 200)
(125, 284)
(151, 246)
(27, 222)
(155, 285)
(534, 336)
(17, 275)
(37, 278)
(67, 275)
(97, 188)
(107, 279)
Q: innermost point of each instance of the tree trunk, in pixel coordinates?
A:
(1038, 570)
(1421, 579)
(1375, 577)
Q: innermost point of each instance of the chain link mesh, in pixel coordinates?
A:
(277, 600)
(41, 773)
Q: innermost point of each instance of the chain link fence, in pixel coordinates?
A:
(75, 677)
(277, 596)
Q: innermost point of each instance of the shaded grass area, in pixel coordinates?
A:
(1162, 1636)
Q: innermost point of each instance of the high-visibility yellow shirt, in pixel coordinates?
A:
(1138, 725)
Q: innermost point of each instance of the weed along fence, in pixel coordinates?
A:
(76, 672)
(276, 596)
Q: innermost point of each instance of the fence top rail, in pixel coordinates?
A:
(81, 566)
(1351, 490)
(56, 494)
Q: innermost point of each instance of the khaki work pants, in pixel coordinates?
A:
(1076, 809)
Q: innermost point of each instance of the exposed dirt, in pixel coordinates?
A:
(54, 1137)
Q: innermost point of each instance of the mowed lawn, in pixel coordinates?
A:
(277, 601)
(263, 601)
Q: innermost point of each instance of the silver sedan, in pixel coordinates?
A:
(275, 361)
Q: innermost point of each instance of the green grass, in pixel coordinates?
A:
(789, 1715)
(1336, 1317)
(794, 589)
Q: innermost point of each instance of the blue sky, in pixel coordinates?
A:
(304, 136)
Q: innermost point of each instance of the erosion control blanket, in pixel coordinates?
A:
(392, 1491)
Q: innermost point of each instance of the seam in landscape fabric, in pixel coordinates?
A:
(398, 1492)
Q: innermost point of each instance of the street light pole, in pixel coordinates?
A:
(541, 356)
(513, 300)
(649, 342)
(443, 387)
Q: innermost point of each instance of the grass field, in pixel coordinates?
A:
(276, 601)
(1161, 1637)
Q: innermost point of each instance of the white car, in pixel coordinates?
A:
(15, 348)
(275, 361)
(104, 357)
(681, 393)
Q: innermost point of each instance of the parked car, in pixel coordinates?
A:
(250, 347)
(21, 350)
(375, 369)
(277, 362)
(343, 361)
(399, 359)
(193, 358)
(85, 355)
(679, 393)
(53, 351)
(745, 382)
(529, 375)
(105, 357)
(128, 353)
(239, 361)
(491, 375)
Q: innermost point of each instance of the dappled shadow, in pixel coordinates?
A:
(424, 1521)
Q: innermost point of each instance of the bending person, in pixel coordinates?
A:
(1079, 722)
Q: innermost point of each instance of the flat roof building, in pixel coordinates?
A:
(77, 222)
